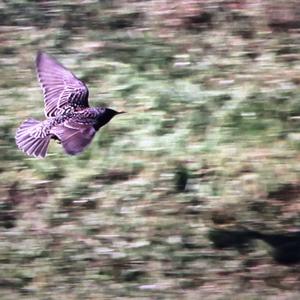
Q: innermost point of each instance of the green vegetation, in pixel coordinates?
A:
(209, 146)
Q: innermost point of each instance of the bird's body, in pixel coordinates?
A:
(69, 118)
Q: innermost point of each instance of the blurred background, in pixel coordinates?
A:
(194, 193)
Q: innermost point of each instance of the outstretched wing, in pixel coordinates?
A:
(73, 136)
(60, 86)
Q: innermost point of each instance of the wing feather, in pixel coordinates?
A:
(74, 137)
(60, 86)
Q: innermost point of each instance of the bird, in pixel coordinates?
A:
(69, 118)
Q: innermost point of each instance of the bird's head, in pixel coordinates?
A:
(106, 114)
(111, 112)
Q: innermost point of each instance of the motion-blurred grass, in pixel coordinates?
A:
(210, 142)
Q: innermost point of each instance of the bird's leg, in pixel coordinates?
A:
(54, 137)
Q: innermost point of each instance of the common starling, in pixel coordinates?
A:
(69, 119)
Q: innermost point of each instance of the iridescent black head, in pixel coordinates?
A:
(112, 112)
(105, 115)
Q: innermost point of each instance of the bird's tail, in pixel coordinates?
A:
(31, 139)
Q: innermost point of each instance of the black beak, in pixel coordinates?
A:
(121, 112)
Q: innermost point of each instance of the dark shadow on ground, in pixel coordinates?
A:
(285, 246)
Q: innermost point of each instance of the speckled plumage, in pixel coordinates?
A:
(69, 118)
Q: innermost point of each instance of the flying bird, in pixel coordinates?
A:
(69, 119)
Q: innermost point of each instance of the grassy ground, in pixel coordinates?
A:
(194, 193)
